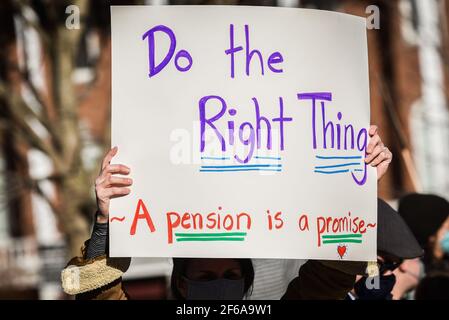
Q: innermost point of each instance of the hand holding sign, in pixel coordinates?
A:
(109, 186)
(378, 155)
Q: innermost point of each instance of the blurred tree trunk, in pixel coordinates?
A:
(75, 184)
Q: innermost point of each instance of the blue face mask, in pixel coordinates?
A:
(218, 289)
(445, 243)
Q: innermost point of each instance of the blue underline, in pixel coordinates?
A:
(339, 157)
(339, 165)
(332, 172)
(215, 158)
(268, 158)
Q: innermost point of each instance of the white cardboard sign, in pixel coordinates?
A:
(245, 129)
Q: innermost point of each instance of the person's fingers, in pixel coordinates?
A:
(389, 154)
(380, 158)
(117, 182)
(116, 169)
(374, 153)
(116, 192)
(373, 142)
(101, 178)
(107, 159)
(373, 129)
(108, 171)
(384, 157)
(382, 162)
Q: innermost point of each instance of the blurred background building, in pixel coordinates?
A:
(54, 123)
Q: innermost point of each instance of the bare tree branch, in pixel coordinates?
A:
(15, 109)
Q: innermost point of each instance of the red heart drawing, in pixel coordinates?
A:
(341, 251)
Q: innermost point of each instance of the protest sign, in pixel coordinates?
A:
(245, 129)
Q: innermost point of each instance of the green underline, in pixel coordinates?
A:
(210, 239)
(204, 234)
(342, 241)
(342, 236)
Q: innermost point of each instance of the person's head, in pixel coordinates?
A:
(428, 217)
(433, 287)
(395, 240)
(211, 279)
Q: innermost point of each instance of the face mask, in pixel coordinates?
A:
(445, 243)
(219, 289)
(377, 289)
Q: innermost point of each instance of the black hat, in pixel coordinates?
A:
(393, 235)
(424, 214)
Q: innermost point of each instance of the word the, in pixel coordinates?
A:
(274, 58)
